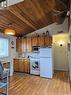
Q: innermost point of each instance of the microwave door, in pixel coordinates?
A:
(35, 48)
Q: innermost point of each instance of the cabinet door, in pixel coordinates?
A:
(24, 44)
(34, 41)
(38, 41)
(16, 65)
(21, 67)
(26, 66)
(19, 45)
(29, 44)
(48, 41)
(41, 41)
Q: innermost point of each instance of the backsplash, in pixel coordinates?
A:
(27, 54)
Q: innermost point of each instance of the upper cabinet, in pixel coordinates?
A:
(40, 41)
(48, 40)
(29, 44)
(34, 41)
(25, 44)
(19, 45)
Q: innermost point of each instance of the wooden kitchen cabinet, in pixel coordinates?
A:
(44, 41)
(22, 65)
(19, 44)
(29, 44)
(34, 41)
(16, 65)
(48, 41)
(24, 44)
(40, 41)
(26, 66)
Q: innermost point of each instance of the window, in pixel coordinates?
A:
(4, 47)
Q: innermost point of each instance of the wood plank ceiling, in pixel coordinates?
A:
(31, 15)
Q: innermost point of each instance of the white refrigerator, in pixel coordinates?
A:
(46, 62)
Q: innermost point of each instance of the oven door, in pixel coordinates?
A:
(34, 66)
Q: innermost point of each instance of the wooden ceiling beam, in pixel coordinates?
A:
(5, 21)
(28, 17)
(41, 13)
(32, 15)
(17, 14)
(60, 5)
(64, 3)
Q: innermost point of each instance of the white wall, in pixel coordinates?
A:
(70, 61)
(60, 53)
(52, 28)
(70, 55)
(70, 46)
(12, 52)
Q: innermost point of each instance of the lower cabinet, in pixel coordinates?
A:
(22, 65)
(26, 66)
(16, 65)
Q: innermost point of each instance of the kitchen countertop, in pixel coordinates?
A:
(22, 58)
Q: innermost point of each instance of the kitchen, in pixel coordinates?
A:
(34, 52)
(39, 50)
(30, 48)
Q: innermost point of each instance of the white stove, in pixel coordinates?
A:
(34, 65)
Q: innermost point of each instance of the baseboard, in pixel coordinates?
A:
(61, 69)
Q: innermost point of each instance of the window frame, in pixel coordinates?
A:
(8, 47)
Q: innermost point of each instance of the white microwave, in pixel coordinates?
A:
(35, 48)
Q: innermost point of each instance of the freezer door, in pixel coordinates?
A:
(46, 67)
(46, 52)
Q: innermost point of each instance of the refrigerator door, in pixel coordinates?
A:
(46, 67)
(45, 52)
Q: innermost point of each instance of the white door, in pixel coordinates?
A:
(60, 57)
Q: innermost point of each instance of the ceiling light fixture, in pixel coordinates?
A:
(9, 31)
